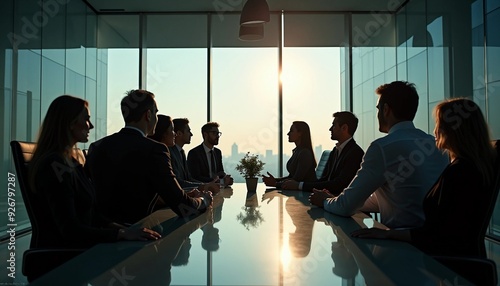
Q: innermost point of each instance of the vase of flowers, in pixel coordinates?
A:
(250, 167)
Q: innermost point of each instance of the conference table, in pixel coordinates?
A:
(267, 237)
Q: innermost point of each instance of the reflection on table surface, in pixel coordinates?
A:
(263, 238)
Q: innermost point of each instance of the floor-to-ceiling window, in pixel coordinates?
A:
(311, 76)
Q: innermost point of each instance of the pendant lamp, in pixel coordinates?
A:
(254, 12)
(252, 33)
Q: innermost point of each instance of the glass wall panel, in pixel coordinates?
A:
(54, 33)
(76, 37)
(118, 65)
(417, 74)
(311, 93)
(478, 55)
(492, 5)
(52, 83)
(177, 68)
(122, 75)
(28, 82)
(178, 78)
(373, 53)
(493, 45)
(245, 104)
(75, 84)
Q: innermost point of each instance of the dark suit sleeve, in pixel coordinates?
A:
(176, 161)
(197, 166)
(167, 186)
(60, 186)
(343, 176)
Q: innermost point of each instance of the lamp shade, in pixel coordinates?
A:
(252, 33)
(254, 12)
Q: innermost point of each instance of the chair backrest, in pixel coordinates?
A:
(320, 168)
(494, 195)
(22, 153)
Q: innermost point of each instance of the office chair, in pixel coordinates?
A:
(479, 270)
(36, 261)
(320, 168)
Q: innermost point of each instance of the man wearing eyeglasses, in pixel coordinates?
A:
(205, 161)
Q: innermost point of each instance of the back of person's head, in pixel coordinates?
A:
(462, 130)
(55, 132)
(346, 117)
(135, 103)
(207, 127)
(164, 122)
(180, 124)
(402, 98)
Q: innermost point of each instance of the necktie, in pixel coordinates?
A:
(212, 164)
(333, 162)
(184, 165)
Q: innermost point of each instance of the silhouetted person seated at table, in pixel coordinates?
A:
(458, 202)
(205, 160)
(164, 133)
(397, 170)
(344, 159)
(58, 180)
(301, 166)
(179, 159)
(130, 171)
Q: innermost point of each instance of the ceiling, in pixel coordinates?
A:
(222, 6)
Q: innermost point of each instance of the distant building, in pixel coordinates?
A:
(234, 150)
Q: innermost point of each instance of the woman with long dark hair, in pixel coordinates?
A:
(301, 166)
(67, 218)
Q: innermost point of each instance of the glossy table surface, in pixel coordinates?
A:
(268, 237)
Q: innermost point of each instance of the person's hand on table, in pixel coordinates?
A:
(212, 187)
(319, 196)
(207, 195)
(194, 193)
(228, 180)
(290, 185)
(133, 233)
(269, 181)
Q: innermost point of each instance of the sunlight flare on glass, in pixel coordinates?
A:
(286, 255)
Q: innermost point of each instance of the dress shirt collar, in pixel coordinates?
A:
(206, 148)
(341, 146)
(179, 148)
(401, 125)
(134, 128)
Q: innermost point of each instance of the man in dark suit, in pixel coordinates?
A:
(130, 171)
(344, 160)
(179, 160)
(205, 161)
